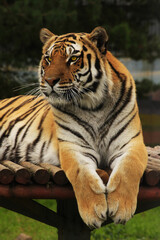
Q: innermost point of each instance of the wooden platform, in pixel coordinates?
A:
(21, 183)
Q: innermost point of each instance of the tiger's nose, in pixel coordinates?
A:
(52, 81)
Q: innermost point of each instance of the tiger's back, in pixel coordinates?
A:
(27, 130)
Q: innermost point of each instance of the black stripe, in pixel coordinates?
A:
(89, 60)
(34, 143)
(21, 105)
(59, 41)
(7, 112)
(121, 130)
(77, 143)
(80, 122)
(131, 111)
(30, 121)
(89, 79)
(98, 67)
(122, 92)
(17, 154)
(50, 140)
(18, 119)
(93, 87)
(136, 135)
(15, 147)
(75, 51)
(61, 140)
(64, 40)
(104, 130)
(71, 41)
(5, 153)
(10, 102)
(91, 156)
(71, 35)
(3, 100)
(17, 134)
(43, 118)
(12, 123)
(113, 158)
(77, 134)
(121, 76)
(31, 146)
(89, 69)
(11, 156)
(28, 150)
(89, 44)
(84, 48)
(82, 58)
(89, 63)
(95, 109)
(14, 154)
(42, 151)
(39, 103)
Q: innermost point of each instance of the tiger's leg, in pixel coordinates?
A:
(88, 186)
(123, 185)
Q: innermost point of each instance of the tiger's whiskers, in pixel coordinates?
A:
(27, 85)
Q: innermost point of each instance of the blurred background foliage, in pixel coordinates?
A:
(128, 25)
(131, 28)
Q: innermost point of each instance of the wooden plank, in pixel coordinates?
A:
(103, 175)
(6, 175)
(57, 174)
(36, 191)
(22, 175)
(39, 174)
(152, 177)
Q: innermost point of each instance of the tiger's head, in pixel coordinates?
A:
(73, 68)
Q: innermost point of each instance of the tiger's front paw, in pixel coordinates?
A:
(90, 193)
(121, 198)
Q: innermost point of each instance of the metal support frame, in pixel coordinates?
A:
(32, 209)
(67, 219)
(73, 227)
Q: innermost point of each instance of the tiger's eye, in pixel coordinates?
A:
(74, 58)
(49, 59)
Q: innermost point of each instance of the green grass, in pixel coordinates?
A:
(12, 224)
(144, 226)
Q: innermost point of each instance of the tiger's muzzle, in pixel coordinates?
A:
(52, 82)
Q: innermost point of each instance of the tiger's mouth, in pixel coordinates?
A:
(69, 94)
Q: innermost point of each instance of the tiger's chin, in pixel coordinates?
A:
(66, 101)
(61, 99)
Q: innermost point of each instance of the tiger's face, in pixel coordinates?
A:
(72, 69)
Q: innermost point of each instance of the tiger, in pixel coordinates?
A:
(86, 118)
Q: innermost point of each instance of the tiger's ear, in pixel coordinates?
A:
(45, 34)
(100, 38)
